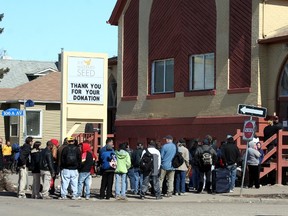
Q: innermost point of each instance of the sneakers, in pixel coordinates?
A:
(47, 197)
(231, 191)
(169, 195)
(118, 198)
(22, 196)
(142, 197)
(62, 198)
(159, 198)
(87, 198)
(182, 194)
(76, 198)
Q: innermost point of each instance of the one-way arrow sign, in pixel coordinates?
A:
(244, 109)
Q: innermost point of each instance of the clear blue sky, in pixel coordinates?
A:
(37, 30)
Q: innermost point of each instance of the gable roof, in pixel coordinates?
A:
(117, 11)
(19, 69)
(43, 89)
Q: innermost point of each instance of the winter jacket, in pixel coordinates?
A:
(253, 155)
(35, 161)
(167, 152)
(135, 158)
(199, 154)
(46, 161)
(123, 161)
(156, 160)
(230, 153)
(87, 158)
(24, 155)
(185, 154)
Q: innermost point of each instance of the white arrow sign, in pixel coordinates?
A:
(252, 111)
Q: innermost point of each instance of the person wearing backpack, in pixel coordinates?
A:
(108, 164)
(123, 164)
(153, 162)
(22, 163)
(205, 157)
(180, 173)
(70, 162)
(135, 160)
(168, 152)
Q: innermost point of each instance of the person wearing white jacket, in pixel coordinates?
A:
(253, 162)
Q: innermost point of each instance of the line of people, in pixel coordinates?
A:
(75, 163)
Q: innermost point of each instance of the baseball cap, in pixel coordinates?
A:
(70, 139)
(168, 137)
(55, 142)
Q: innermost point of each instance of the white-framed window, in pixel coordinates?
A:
(202, 75)
(13, 130)
(34, 123)
(163, 76)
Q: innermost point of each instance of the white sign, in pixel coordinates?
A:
(85, 80)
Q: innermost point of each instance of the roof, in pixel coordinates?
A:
(43, 89)
(19, 69)
(277, 36)
(117, 11)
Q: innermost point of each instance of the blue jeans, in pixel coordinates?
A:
(180, 181)
(195, 177)
(120, 185)
(138, 180)
(69, 177)
(84, 177)
(233, 170)
(131, 177)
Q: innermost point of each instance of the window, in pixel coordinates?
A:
(14, 130)
(34, 123)
(202, 72)
(163, 76)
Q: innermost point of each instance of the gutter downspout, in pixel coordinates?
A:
(263, 17)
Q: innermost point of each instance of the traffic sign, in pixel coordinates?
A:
(12, 112)
(248, 130)
(29, 103)
(249, 110)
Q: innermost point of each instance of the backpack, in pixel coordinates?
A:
(146, 162)
(207, 159)
(113, 161)
(71, 156)
(109, 160)
(178, 159)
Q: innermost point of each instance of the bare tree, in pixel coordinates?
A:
(2, 70)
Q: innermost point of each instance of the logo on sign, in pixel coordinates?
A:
(248, 130)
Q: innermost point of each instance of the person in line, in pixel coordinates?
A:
(167, 152)
(108, 164)
(206, 157)
(231, 156)
(47, 171)
(35, 169)
(54, 151)
(123, 164)
(87, 162)
(70, 162)
(253, 164)
(1, 154)
(180, 172)
(154, 174)
(135, 160)
(22, 166)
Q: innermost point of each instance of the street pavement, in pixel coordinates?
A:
(267, 200)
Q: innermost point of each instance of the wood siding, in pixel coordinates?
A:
(130, 55)
(178, 29)
(240, 44)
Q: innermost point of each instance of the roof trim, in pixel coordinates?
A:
(42, 72)
(280, 39)
(22, 101)
(116, 13)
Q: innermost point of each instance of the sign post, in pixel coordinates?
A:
(249, 129)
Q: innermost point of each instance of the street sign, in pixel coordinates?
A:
(249, 110)
(248, 130)
(12, 112)
(29, 103)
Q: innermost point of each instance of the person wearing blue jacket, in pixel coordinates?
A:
(167, 152)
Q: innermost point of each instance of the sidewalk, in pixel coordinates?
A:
(265, 194)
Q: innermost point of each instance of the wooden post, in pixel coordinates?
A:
(279, 157)
(95, 142)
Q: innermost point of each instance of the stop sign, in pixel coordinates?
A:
(248, 130)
